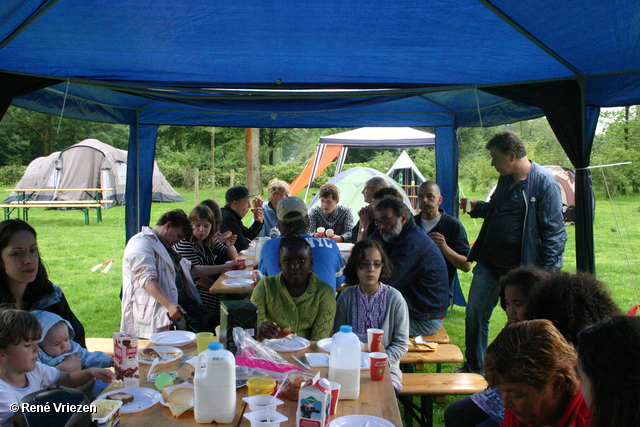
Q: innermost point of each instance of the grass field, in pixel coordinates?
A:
(70, 249)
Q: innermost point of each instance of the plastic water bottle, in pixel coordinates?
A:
(344, 362)
(261, 241)
(214, 386)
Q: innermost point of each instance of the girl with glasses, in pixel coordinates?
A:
(369, 303)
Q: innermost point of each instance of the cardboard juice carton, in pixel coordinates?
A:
(314, 402)
(125, 355)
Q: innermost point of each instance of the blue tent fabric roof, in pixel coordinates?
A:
(334, 63)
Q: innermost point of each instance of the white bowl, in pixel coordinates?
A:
(259, 418)
(261, 402)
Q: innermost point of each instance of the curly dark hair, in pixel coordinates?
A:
(608, 353)
(17, 326)
(571, 301)
(524, 278)
(178, 219)
(41, 286)
(357, 254)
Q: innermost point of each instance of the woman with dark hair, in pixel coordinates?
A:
(202, 248)
(609, 367)
(533, 366)
(571, 301)
(24, 282)
(369, 303)
(484, 409)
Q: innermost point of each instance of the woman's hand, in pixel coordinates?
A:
(103, 374)
(175, 311)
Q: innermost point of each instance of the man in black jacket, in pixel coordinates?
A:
(238, 204)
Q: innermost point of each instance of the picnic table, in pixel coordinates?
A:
(25, 201)
(377, 398)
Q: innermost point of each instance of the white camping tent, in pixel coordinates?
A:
(88, 164)
(351, 183)
(405, 172)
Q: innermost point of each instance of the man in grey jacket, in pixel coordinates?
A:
(523, 225)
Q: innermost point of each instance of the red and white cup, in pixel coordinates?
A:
(256, 212)
(465, 205)
(374, 340)
(241, 263)
(378, 365)
(321, 232)
(335, 394)
(329, 233)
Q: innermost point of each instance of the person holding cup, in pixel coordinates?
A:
(238, 205)
(330, 215)
(369, 303)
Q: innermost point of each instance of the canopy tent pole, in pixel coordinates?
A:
(316, 161)
(142, 152)
(341, 158)
(447, 168)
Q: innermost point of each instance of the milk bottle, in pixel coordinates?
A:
(344, 362)
(214, 385)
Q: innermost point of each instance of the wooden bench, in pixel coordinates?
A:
(430, 386)
(445, 353)
(105, 345)
(83, 205)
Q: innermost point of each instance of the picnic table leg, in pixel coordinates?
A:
(99, 213)
(86, 215)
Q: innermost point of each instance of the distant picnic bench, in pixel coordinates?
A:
(25, 202)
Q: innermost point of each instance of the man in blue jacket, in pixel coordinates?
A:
(523, 225)
(419, 270)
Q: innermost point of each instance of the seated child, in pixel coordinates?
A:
(20, 372)
(295, 298)
(56, 343)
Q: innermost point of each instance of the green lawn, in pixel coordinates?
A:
(70, 249)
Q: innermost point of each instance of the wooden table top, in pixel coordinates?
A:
(377, 398)
(219, 288)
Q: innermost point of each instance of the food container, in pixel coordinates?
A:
(125, 355)
(264, 419)
(261, 385)
(262, 402)
(108, 413)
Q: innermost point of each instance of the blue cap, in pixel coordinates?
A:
(347, 329)
(215, 346)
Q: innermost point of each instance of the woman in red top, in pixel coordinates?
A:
(533, 366)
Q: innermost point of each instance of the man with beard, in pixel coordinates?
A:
(419, 270)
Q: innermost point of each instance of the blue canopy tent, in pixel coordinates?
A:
(326, 64)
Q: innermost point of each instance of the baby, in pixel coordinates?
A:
(56, 344)
(20, 371)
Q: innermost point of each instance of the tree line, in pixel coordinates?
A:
(180, 150)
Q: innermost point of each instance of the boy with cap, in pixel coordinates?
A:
(293, 219)
(238, 204)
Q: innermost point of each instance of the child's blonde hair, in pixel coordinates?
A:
(17, 326)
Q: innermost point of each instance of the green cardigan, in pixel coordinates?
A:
(311, 316)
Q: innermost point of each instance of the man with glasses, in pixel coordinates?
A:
(419, 271)
(446, 231)
(523, 225)
(365, 225)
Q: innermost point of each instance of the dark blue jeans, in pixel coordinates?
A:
(465, 413)
(483, 297)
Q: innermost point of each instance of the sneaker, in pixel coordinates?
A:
(462, 369)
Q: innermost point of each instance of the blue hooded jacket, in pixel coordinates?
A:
(95, 359)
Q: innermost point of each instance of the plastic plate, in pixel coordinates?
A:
(143, 398)
(177, 338)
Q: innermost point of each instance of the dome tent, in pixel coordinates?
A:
(88, 164)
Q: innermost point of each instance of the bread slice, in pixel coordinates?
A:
(149, 354)
(124, 397)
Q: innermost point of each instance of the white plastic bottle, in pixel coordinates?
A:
(344, 362)
(214, 385)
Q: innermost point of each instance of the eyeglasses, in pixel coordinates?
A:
(385, 220)
(368, 265)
